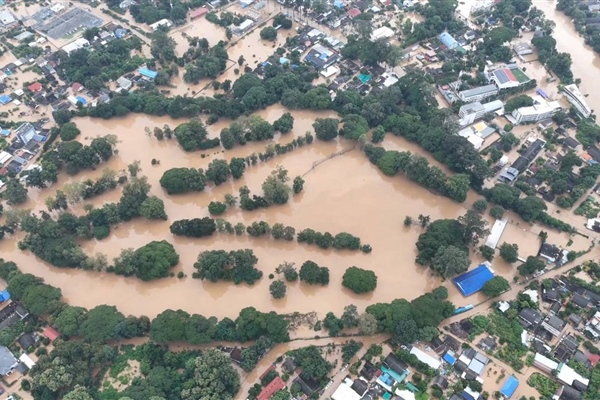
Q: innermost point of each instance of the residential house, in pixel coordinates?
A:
(26, 340)
(580, 301)
(236, 355)
(8, 362)
(568, 393)
(553, 325)
(289, 365)
(568, 376)
(25, 133)
(124, 83)
(273, 387)
(550, 252)
(530, 318)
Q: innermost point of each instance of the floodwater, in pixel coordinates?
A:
(585, 61)
(345, 193)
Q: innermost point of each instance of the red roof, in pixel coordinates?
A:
(275, 386)
(354, 12)
(51, 333)
(199, 12)
(35, 87)
(594, 358)
(77, 86)
(272, 366)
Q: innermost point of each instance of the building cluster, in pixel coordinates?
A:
(26, 143)
(15, 361)
(552, 335)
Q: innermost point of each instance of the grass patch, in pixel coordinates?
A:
(546, 387)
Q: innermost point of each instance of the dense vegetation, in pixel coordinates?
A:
(149, 262)
(237, 266)
(417, 169)
(196, 227)
(445, 244)
(313, 274)
(359, 280)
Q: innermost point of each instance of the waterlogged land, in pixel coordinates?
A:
(345, 193)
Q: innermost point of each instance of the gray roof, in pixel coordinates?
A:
(7, 361)
(472, 108)
(479, 90)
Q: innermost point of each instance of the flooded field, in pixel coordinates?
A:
(345, 193)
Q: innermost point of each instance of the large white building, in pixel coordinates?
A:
(541, 109)
(478, 93)
(75, 45)
(382, 33)
(576, 98)
(471, 112)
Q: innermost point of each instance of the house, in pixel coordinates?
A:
(580, 301)
(25, 132)
(162, 23)
(448, 41)
(236, 355)
(441, 382)
(147, 73)
(77, 87)
(25, 359)
(321, 57)
(553, 325)
(530, 318)
(571, 143)
(360, 386)
(273, 387)
(488, 344)
(369, 371)
(550, 295)
(35, 87)
(50, 333)
(289, 365)
(549, 251)
(8, 362)
(353, 13)
(522, 49)
(394, 363)
(26, 340)
(568, 393)
(7, 19)
(124, 83)
(575, 319)
(198, 13)
(308, 386)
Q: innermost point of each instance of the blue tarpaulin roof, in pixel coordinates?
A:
(364, 78)
(81, 99)
(4, 99)
(4, 132)
(472, 281)
(148, 73)
(509, 387)
(449, 358)
(396, 376)
(4, 295)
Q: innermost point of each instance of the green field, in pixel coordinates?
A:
(520, 75)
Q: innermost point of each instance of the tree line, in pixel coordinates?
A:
(418, 170)
(202, 227)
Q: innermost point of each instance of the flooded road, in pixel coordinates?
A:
(345, 193)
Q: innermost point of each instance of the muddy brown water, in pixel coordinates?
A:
(345, 193)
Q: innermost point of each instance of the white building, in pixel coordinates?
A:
(7, 19)
(544, 363)
(163, 22)
(75, 45)
(471, 112)
(382, 33)
(568, 375)
(425, 358)
(58, 7)
(478, 93)
(496, 233)
(576, 98)
(243, 27)
(541, 109)
(345, 391)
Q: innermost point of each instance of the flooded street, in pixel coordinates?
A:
(345, 193)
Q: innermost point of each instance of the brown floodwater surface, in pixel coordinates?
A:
(345, 193)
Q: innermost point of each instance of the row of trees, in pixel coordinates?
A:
(418, 170)
(201, 227)
(254, 129)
